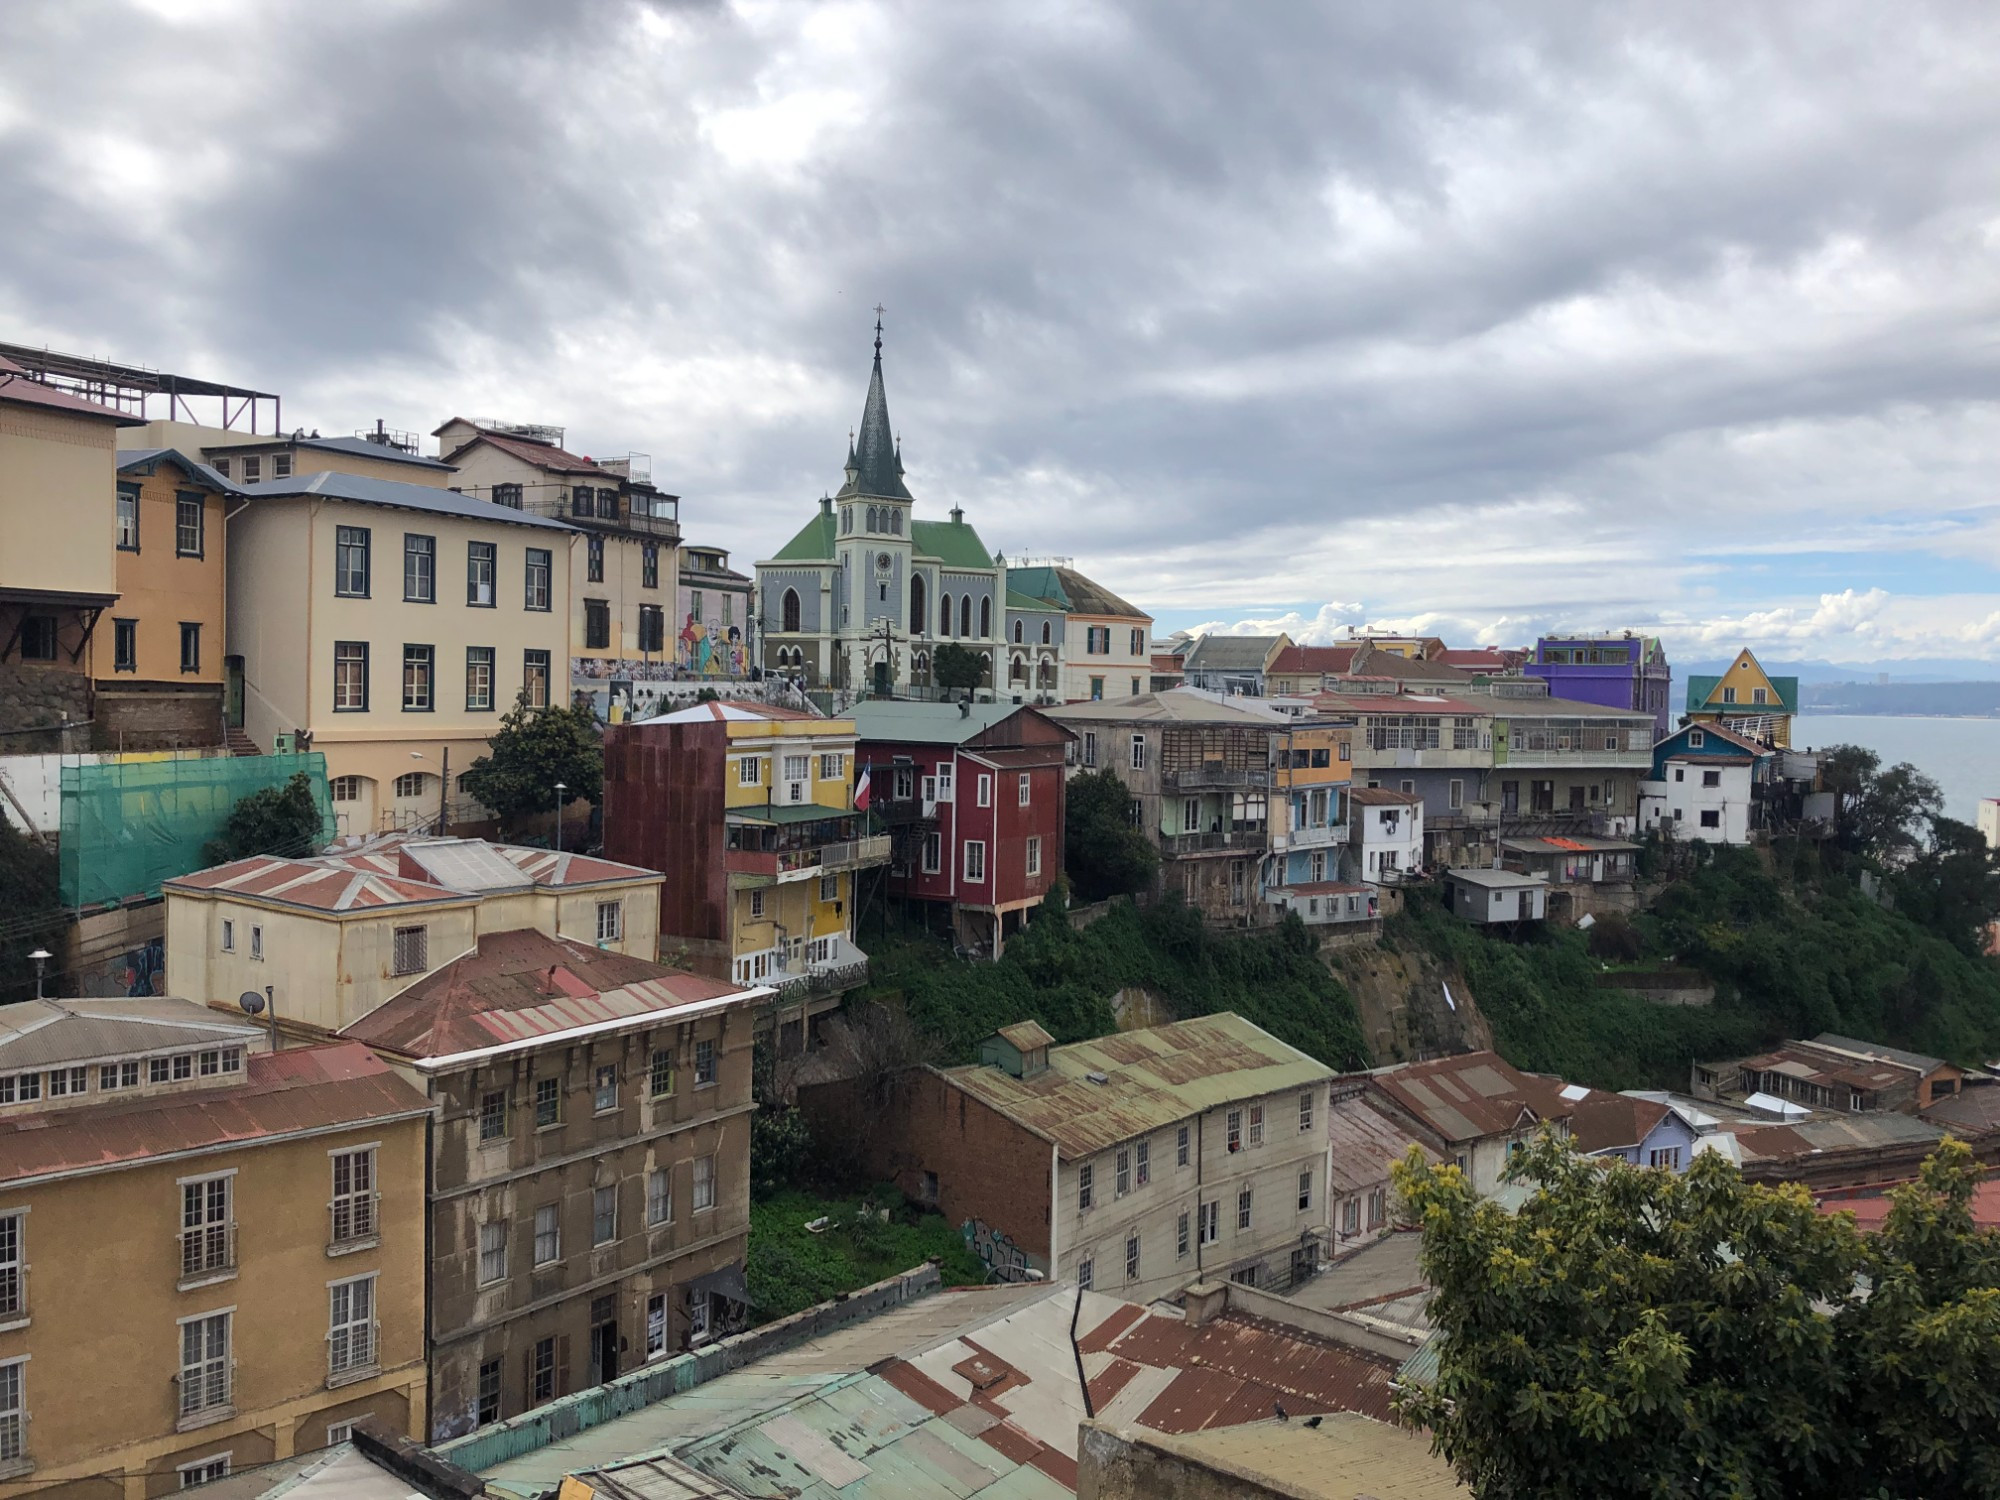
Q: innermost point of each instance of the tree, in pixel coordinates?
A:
(956, 666)
(534, 749)
(1878, 813)
(1641, 1332)
(35, 917)
(276, 820)
(1953, 886)
(1103, 853)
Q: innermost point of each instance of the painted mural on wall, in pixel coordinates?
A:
(1004, 1260)
(710, 649)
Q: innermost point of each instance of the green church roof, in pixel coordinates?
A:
(952, 543)
(814, 543)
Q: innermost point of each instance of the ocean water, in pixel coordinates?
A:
(1961, 755)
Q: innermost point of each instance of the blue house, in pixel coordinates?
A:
(1644, 1132)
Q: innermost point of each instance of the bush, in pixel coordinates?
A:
(790, 1268)
(275, 820)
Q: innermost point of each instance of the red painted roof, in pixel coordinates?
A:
(1870, 1213)
(17, 386)
(333, 884)
(283, 1093)
(1294, 659)
(542, 455)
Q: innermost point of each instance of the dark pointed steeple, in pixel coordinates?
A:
(875, 464)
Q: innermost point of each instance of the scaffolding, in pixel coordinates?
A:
(128, 825)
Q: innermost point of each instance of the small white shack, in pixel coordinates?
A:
(1489, 896)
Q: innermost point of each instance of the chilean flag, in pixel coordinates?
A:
(861, 791)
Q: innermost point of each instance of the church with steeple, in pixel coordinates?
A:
(861, 598)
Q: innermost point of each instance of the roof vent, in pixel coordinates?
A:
(1098, 1078)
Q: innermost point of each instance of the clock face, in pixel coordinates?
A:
(882, 562)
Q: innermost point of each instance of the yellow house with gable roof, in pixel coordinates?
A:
(1747, 700)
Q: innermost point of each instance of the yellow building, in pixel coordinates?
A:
(749, 810)
(1747, 700)
(58, 573)
(394, 624)
(211, 1256)
(337, 935)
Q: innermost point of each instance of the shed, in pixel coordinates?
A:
(1488, 896)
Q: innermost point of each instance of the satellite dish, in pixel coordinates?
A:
(252, 1003)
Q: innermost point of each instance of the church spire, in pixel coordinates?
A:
(875, 465)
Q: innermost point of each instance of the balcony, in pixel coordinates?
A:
(666, 526)
(753, 869)
(208, 1253)
(1214, 776)
(1236, 840)
(900, 812)
(1313, 836)
(353, 1224)
(805, 969)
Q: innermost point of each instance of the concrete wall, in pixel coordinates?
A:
(1133, 1464)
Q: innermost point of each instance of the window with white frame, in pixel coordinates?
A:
(975, 861)
(610, 921)
(698, 1318)
(257, 940)
(548, 1234)
(1142, 1163)
(1181, 1151)
(1305, 1191)
(205, 1364)
(412, 945)
(704, 1064)
(1086, 1274)
(207, 1235)
(1181, 1236)
(704, 1183)
(1034, 854)
(1124, 1171)
(228, 935)
(1138, 752)
(1243, 1208)
(1132, 1257)
(1211, 1222)
(656, 1325)
(984, 790)
(1305, 1111)
(829, 888)
(492, 1252)
(350, 1332)
(340, 1432)
(548, 1102)
(832, 766)
(1350, 1216)
(13, 1265)
(1256, 1124)
(660, 1196)
(13, 1411)
(945, 783)
(353, 1206)
(604, 1089)
(933, 858)
(1086, 1184)
(1090, 747)
(204, 1470)
(749, 771)
(756, 906)
(1023, 786)
(1235, 1130)
(604, 1216)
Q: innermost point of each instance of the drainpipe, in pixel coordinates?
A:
(1198, 1120)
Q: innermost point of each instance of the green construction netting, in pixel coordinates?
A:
(128, 825)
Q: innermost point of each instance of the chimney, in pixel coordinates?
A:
(965, 709)
(1204, 1301)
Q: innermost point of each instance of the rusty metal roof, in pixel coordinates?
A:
(1471, 1095)
(1613, 1122)
(520, 986)
(1364, 1142)
(302, 1090)
(37, 1034)
(1150, 1079)
(330, 885)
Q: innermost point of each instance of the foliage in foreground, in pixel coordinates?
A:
(791, 1268)
(533, 750)
(273, 820)
(35, 918)
(1637, 1332)
(1065, 979)
(1104, 852)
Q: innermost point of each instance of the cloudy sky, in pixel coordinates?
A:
(1483, 320)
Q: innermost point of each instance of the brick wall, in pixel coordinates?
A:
(907, 1127)
(164, 716)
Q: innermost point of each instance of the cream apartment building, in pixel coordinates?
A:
(337, 935)
(1106, 642)
(393, 624)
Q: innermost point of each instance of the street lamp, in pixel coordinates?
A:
(561, 800)
(444, 792)
(41, 956)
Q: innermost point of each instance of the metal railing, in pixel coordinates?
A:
(1197, 843)
(1217, 778)
(208, 1249)
(13, 1293)
(352, 1218)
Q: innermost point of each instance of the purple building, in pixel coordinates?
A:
(1619, 671)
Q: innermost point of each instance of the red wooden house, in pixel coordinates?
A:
(973, 796)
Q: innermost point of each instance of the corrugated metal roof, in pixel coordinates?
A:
(1173, 705)
(1152, 1078)
(365, 489)
(1363, 1144)
(898, 722)
(336, 883)
(44, 1033)
(1471, 1095)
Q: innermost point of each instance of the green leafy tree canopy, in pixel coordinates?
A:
(956, 666)
(1640, 1332)
(276, 820)
(534, 749)
(1103, 854)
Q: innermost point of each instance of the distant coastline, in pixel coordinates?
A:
(1902, 700)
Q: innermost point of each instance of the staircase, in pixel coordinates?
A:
(239, 743)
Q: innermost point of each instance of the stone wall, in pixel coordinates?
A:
(158, 716)
(36, 698)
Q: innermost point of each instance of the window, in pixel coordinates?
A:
(1236, 1130)
(350, 679)
(190, 646)
(1034, 855)
(1666, 1156)
(975, 861)
(253, 468)
(1256, 1124)
(419, 569)
(604, 1216)
(124, 645)
(610, 921)
(410, 784)
(123, 1075)
(128, 518)
(536, 593)
(1211, 1222)
(1138, 643)
(488, 1410)
(350, 1330)
(492, 1252)
(829, 888)
(1305, 1111)
(481, 558)
(749, 771)
(1729, 695)
(418, 664)
(13, 1411)
(1378, 1207)
(184, 1063)
(652, 629)
(493, 1116)
(704, 1183)
(1759, 695)
(205, 1364)
(542, 1371)
(508, 495)
(1090, 747)
(604, 1093)
(1124, 1172)
(1181, 1235)
(548, 1102)
(204, 1470)
(1711, 817)
(1086, 1185)
(944, 782)
(984, 790)
(535, 678)
(596, 624)
(353, 1195)
(704, 1064)
(1138, 750)
(1181, 1146)
(660, 1075)
(207, 1236)
(350, 560)
(38, 638)
(1711, 778)
(593, 559)
(1142, 1163)
(188, 516)
(13, 1293)
(965, 615)
(412, 950)
(478, 678)
(1243, 1209)
(1350, 1216)
(77, 1080)
(757, 904)
(832, 767)
(1131, 1257)
(1086, 1274)
(933, 856)
(659, 1196)
(649, 565)
(1305, 1191)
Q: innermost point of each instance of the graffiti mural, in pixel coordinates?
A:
(1004, 1260)
(705, 649)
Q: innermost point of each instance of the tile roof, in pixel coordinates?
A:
(1333, 659)
(1153, 1078)
(1471, 1095)
(37, 1034)
(302, 1090)
(1473, 658)
(1969, 1113)
(365, 489)
(1364, 1143)
(1870, 1213)
(541, 455)
(518, 988)
(330, 885)
(1613, 1122)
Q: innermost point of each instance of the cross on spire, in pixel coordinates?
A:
(879, 310)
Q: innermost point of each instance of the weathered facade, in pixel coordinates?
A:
(590, 1166)
(1620, 671)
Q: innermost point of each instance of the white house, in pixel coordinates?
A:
(1703, 785)
(1387, 833)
